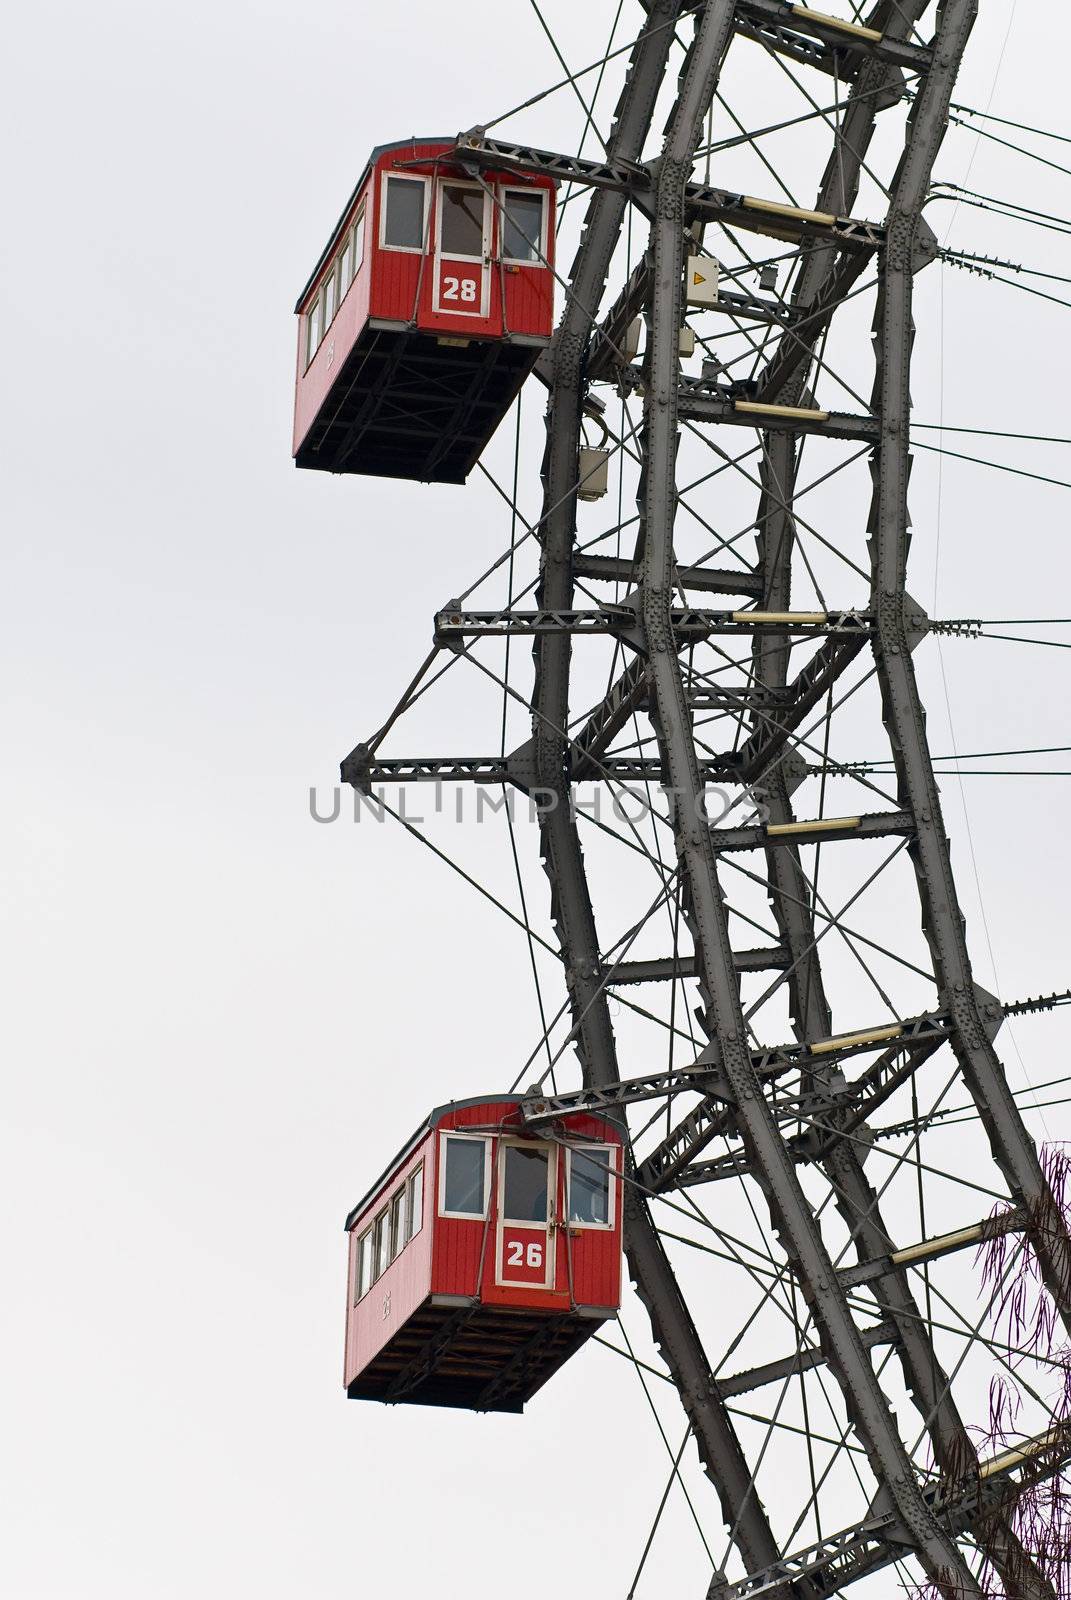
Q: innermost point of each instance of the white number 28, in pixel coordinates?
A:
(460, 288)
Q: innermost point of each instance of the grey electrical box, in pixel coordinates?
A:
(593, 472)
(701, 281)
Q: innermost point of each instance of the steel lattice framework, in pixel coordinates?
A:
(749, 696)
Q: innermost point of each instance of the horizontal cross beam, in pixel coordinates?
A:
(700, 403)
(667, 969)
(877, 825)
(795, 30)
(701, 201)
(688, 622)
(713, 580)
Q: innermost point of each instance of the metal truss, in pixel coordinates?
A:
(743, 930)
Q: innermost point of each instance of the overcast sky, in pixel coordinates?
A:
(222, 1019)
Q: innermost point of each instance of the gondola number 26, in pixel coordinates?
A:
(519, 1254)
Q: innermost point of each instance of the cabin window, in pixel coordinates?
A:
(397, 1222)
(416, 1201)
(522, 226)
(524, 1185)
(312, 330)
(460, 221)
(589, 1188)
(352, 255)
(403, 214)
(329, 300)
(364, 1265)
(464, 1181)
(381, 1229)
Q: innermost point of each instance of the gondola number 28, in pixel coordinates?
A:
(519, 1254)
(463, 289)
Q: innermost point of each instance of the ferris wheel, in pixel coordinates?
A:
(784, 1066)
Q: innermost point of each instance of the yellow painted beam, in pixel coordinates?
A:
(821, 219)
(792, 619)
(759, 408)
(844, 1041)
(817, 825)
(856, 28)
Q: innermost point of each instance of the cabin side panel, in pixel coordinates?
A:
(316, 381)
(403, 1286)
(529, 301)
(529, 289)
(461, 1244)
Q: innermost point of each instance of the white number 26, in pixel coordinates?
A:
(519, 1256)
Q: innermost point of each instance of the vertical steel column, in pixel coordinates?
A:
(1013, 1149)
(793, 1219)
(924, 1377)
(672, 1325)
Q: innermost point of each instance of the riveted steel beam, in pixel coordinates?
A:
(672, 1326)
(769, 1159)
(753, 213)
(1013, 1149)
(668, 969)
(699, 404)
(686, 621)
(786, 835)
(714, 580)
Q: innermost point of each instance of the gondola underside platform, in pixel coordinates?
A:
(412, 405)
(459, 1352)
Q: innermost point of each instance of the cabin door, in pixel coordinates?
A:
(462, 284)
(527, 1186)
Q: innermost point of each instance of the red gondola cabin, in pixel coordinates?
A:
(423, 317)
(483, 1258)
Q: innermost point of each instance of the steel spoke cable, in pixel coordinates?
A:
(589, 122)
(937, 1172)
(669, 1451)
(627, 940)
(818, 906)
(598, 65)
(856, 934)
(674, 1472)
(767, 163)
(779, 127)
(839, 139)
(798, 495)
(755, 484)
(1023, 127)
(1031, 155)
(973, 1116)
(843, 1444)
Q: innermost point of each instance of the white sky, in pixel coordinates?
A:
(223, 1019)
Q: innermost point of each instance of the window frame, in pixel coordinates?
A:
(463, 1216)
(529, 191)
(360, 1287)
(313, 319)
(349, 252)
(398, 1209)
(330, 281)
(415, 1219)
(486, 222)
(359, 230)
(547, 1151)
(382, 1217)
(404, 177)
(345, 264)
(611, 1188)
